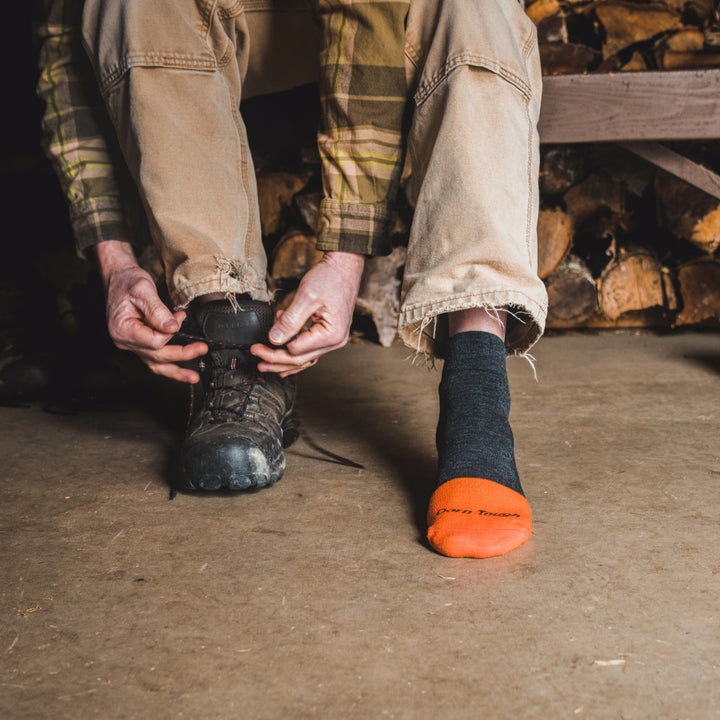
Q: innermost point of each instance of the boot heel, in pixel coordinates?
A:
(290, 430)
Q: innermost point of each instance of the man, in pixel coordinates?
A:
(171, 74)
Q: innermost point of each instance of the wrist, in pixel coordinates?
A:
(346, 260)
(113, 255)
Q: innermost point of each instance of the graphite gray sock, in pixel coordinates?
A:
(473, 437)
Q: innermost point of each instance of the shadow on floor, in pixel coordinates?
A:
(388, 437)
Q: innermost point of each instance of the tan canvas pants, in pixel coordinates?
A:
(173, 72)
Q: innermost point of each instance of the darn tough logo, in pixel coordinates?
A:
(485, 513)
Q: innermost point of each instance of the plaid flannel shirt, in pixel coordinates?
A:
(363, 92)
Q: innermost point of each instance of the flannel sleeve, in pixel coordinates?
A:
(77, 135)
(363, 93)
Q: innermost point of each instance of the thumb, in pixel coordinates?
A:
(156, 313)
(289, 322)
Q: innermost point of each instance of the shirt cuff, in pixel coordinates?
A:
(96, 221)
(362, 229)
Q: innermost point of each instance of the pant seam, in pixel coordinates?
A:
(529, 43)
(474, 59)
(186, 292)
(231, 12)
(475, 297)
(244, 150)
(206, 11)
(531, 185)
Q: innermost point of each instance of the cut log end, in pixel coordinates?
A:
(555, 236)
(634, 281)
(699, 282)
(572, 294)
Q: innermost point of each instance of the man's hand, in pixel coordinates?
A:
(137, 318)
(326, 297)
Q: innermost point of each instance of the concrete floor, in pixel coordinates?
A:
(318, 598)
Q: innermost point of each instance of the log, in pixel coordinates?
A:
(308, 205)
(572, 294)
(561, 58)
(555, 237)
(634, 280)
(632, 172)
(699, 282)
(650, 318)
(542, 9)
(636, 63)
(688, 212)
(275, 193)
(626, 24)
(674, 60)
(701, 10)
(294, 255)
(597, 193)
(560, 168)
(683, 48)
(712, 39)
(688, 39)
(379, 294)
(553, 29)
(593, 238)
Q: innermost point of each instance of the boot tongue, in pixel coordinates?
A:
(245, 324)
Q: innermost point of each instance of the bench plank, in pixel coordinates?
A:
(651, 105)
(680, 166)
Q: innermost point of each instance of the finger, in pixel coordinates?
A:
(180, 316)
(318, 338)
(298, 370)
(285, 369)
(290, 322)
(133, 334)
(280, 356)
(175, 372)
(178, 353)
(158, 316)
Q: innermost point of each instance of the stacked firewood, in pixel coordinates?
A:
(620, 244)
(623, 245)
(579, 36)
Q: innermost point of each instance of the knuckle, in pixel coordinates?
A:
(139, 286)
(157, 343)
(339, 339)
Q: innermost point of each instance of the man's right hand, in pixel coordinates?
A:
(137, 318)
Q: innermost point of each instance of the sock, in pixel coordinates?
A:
(479, 509)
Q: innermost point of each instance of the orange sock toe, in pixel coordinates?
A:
(471, 517)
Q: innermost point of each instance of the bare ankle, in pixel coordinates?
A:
(478, 319)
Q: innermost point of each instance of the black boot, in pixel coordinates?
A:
(244, 418)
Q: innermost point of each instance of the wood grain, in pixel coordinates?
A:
(653, 105)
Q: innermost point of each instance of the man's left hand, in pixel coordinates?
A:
(326, 297)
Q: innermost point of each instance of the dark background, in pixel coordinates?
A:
(40, 272)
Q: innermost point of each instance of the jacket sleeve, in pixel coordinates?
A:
(77, 135)
(363, 93)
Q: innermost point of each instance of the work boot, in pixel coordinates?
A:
(243, 418)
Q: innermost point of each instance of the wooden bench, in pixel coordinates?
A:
(638, 111)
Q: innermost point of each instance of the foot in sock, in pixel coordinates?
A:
(478, 509)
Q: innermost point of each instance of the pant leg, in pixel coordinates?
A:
(474, 151)
(171, 74)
